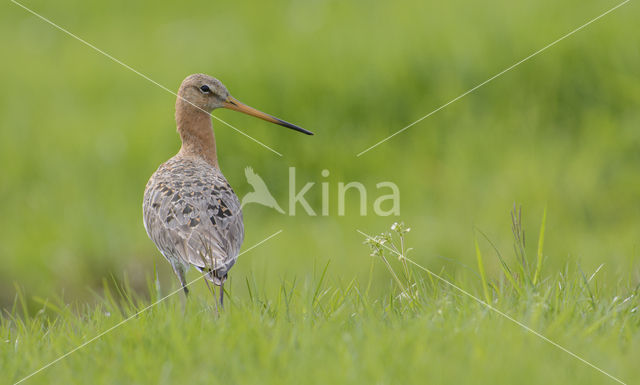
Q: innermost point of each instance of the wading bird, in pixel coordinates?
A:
(190, 212)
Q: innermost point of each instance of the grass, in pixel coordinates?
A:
(319, 329)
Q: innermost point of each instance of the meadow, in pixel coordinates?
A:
(558, 134)
(315, 329)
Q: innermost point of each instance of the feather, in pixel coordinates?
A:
(193, 216)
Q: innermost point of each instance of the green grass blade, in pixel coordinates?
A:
(503, 264)
(540, 247)
(319, 285)
(586, 284)
(485, 288)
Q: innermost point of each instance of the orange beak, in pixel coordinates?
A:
(233, 104)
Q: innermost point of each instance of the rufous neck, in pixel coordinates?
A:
(196, 132)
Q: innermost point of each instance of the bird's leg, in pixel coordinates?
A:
(221, 296)
(180, 272)
(183, 282)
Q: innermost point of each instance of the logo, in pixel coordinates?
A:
(386, 202)
(260, 193)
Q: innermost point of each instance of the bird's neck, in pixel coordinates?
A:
(196, 132)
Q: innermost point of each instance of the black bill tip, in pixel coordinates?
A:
(293, 127)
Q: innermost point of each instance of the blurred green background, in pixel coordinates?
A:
(80, 135)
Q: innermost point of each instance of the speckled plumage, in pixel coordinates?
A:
(194, 217)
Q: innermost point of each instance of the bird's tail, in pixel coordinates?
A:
(214, 276)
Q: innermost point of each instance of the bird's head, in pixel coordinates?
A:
(204, 92)
(207, 93)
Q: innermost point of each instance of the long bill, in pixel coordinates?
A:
(233, 104)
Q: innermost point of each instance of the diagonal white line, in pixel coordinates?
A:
(527, 328)
(133, 316)
(140, 74)
(493, 77)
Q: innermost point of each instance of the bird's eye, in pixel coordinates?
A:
(205, 88)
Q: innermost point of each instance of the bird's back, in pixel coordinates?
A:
(193, 216)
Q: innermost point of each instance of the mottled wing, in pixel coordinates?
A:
(192, 215)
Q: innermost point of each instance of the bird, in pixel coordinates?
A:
(190, 211)
(260, 193)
